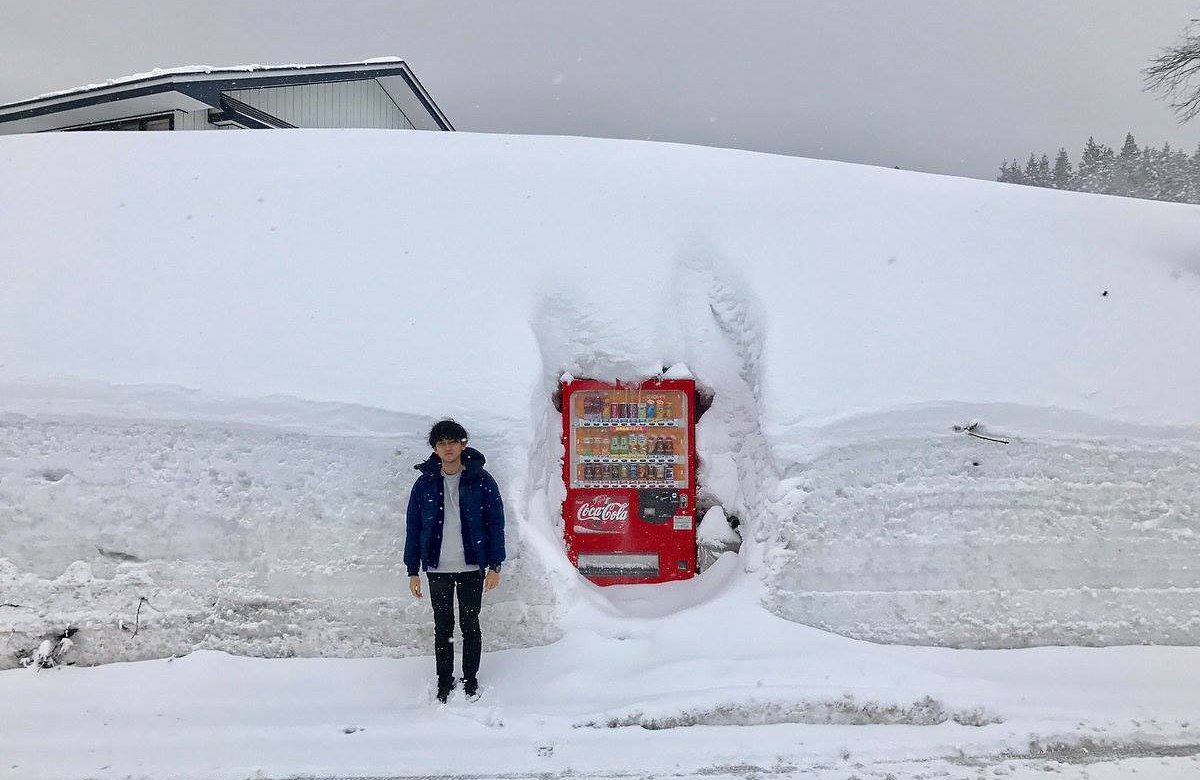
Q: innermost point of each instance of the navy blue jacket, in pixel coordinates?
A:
(480, 507)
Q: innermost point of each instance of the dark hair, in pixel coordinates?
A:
(446, 429)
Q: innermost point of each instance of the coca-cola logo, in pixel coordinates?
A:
(603, 514)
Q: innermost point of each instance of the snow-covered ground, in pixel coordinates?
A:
(688, 680)
(219, 355)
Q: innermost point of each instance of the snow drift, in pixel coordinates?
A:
(325, 294)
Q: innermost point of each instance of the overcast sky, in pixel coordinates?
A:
(949, 86)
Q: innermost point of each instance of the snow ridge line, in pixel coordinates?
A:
(925, 711)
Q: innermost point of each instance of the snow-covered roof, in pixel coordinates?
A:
(197, 86)
(186, 70)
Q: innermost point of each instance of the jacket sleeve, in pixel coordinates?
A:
(493, 520)
(412, 532)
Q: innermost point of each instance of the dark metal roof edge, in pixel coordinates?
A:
(300, 74)
(89, 100)
(426, 99)
(238, 109)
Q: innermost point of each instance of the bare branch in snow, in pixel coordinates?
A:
(973, 430)
(1175, 73)
(137, 618)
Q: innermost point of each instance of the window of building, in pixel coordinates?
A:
(158, 122)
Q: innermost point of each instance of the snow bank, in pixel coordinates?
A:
(327, 293)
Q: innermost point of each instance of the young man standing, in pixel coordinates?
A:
(455, 531)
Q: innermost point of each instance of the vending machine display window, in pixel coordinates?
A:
(630, 475)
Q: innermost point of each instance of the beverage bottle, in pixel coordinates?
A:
(614, 407)
(651, 408)
(642, 410)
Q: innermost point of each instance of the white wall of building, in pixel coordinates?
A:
(338, 104)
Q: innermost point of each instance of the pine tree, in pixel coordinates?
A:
(1062, 170)
(1095, 167)
(1130, 149)
(1011, 173)
(1005, 173)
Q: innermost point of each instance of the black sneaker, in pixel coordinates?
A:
(471, 688)
(443, 690)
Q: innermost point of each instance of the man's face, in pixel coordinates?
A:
(449, 450)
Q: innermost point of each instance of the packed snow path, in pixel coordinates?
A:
(689, 682)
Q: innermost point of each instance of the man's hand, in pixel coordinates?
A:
(491, 579)
(414, 585)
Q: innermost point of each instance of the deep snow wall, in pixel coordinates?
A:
(845, 317)
(906, 530)
(249, 539)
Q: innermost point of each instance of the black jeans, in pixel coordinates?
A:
(470, 595)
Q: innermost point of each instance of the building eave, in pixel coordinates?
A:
(207, 86)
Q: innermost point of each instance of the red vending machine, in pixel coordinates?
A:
(630, 472)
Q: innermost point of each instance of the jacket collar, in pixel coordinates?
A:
(472, 459)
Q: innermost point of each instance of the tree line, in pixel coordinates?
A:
(1134, 172)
